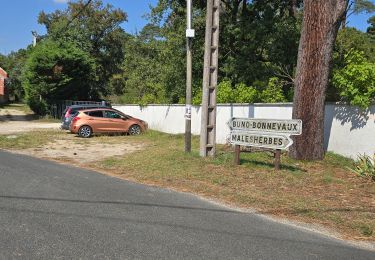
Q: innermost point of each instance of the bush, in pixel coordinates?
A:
(58, 71)
(39, 107)
(240, 93)
(273, 93)
(225, 93)
(356, 80)
(245, 94)
(365, 167)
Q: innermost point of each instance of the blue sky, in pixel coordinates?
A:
(19, 18)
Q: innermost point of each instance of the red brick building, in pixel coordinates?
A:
(3, 90)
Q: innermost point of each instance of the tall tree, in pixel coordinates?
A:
(258, 36)
(95, 29)
(321, 22)
(58, 71)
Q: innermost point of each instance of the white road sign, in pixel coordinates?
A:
(264, 140)
(290, 127)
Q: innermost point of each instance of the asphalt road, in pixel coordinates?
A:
(50, 211)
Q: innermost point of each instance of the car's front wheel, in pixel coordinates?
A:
(85, 131)
(135, 130)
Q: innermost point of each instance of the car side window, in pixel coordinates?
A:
(96, 113)
(111, 114)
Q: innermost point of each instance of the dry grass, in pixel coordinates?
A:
(32, 139)
(325, 192)
(17, 106)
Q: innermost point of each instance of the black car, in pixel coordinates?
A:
(71, 111)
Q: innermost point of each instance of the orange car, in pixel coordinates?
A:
(105, 120)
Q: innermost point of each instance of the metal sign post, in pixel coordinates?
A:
(189, 39)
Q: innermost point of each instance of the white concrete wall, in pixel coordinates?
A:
(348, 131)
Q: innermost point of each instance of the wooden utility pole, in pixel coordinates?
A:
(210, 72)
(189, 42)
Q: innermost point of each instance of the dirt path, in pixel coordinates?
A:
(66, 147)
(17, 121)
(80, 151)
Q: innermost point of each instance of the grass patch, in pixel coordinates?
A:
(366, 230)
(46, 119)
(323, 192)
(32, 139)
(18, 106)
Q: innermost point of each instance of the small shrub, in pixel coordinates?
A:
(366, 230)
(38, 106)
(225, 93)
(365, 167)
(273, 93)
(245, 94)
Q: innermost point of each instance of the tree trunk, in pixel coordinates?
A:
(321, 21)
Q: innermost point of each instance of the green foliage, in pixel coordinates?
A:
(255, 36)
(361, 6)
(347, 40)
(57, 71)
(36, 104)
(252, 35)
(144, 76)
(365, 167)
(96, 31)
(257, 39)
(240, 93)
(351, 38)
(14, 66)
(273, 93)
(197, 98)
(356, 80)
(245, 94)
(225, 93)
(371, 28)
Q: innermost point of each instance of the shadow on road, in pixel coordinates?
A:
(120, 203)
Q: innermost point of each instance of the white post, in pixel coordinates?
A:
(189, 40)
(188, 14)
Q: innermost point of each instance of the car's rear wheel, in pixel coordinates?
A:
(85, 131)
(134, 130)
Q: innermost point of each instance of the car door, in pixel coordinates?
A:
(97, 121)
(117, 123)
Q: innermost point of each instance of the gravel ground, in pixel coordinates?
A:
(16, 121)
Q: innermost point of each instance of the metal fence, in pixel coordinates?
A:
(56, 110)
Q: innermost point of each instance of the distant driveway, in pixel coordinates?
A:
(16, 121)
(51, 211)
